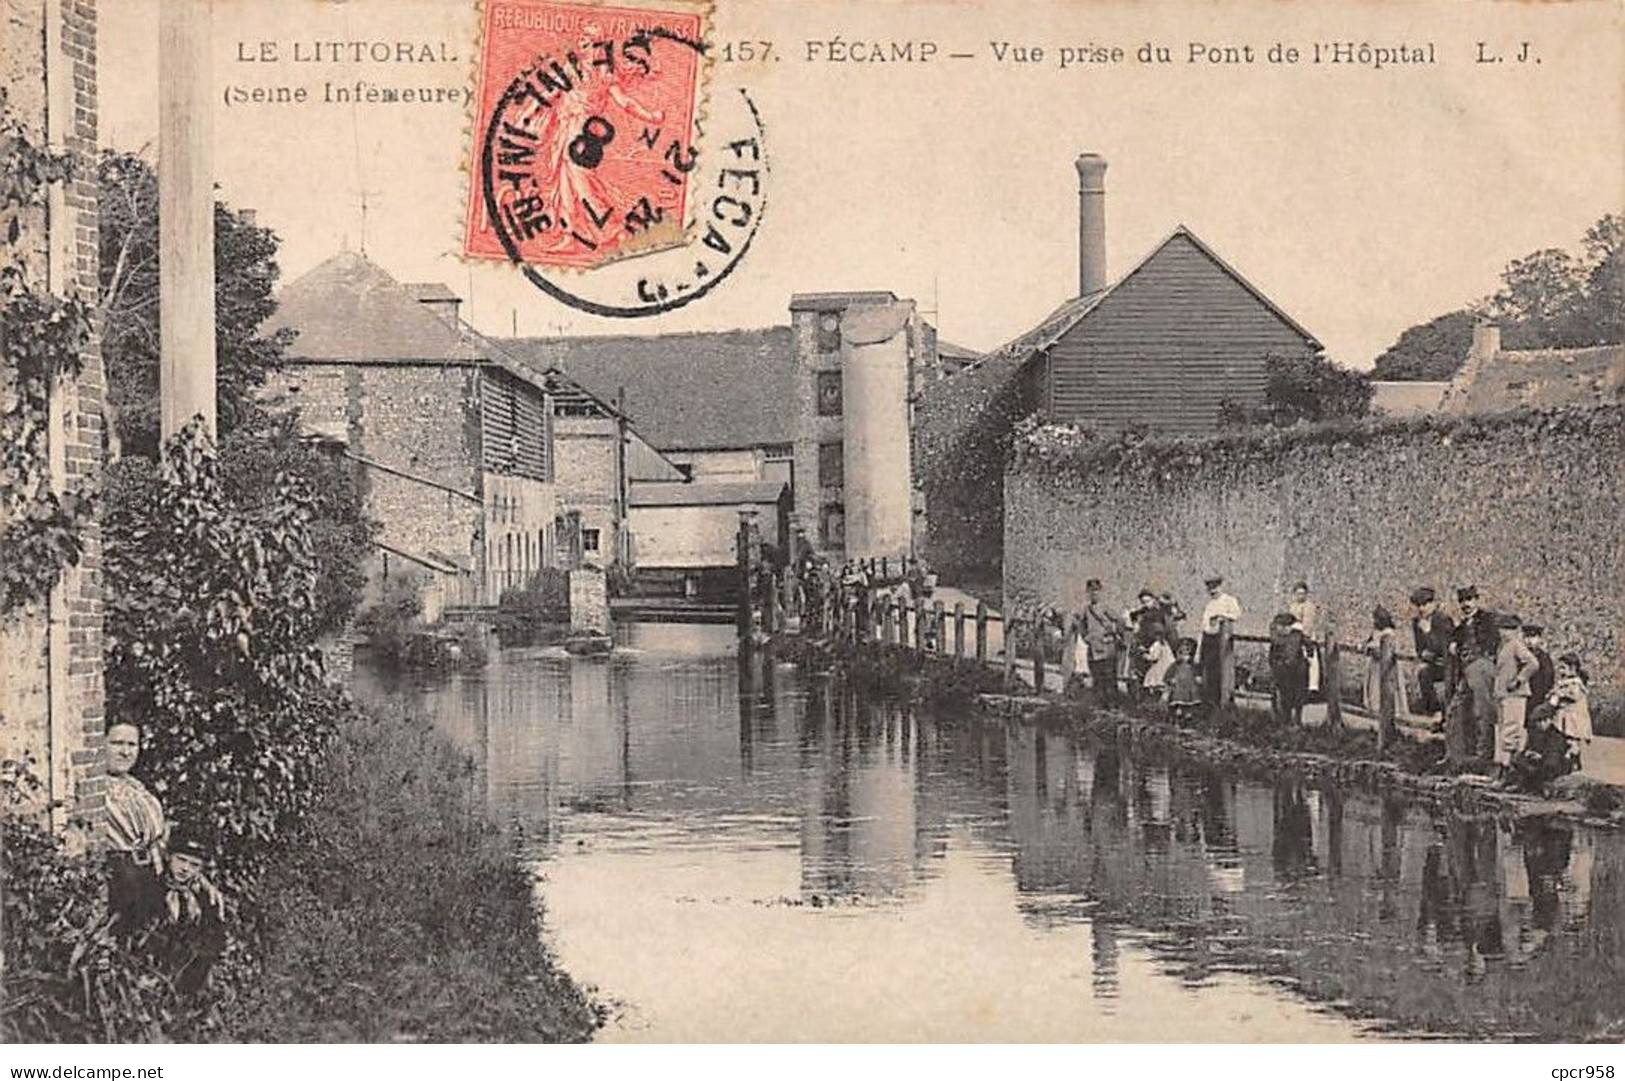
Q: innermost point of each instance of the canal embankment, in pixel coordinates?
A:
(1244, 740)
(399, 911)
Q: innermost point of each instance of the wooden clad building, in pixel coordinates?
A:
(1165, 346)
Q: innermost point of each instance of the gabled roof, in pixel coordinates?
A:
(1541, 379)
(947, 350)
(706, 493)
(1059, 322)
(348, 308)
(713, 390)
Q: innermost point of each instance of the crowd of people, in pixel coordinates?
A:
(1485, 678)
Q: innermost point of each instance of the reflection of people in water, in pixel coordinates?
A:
(1546, 847)
(1292, 850)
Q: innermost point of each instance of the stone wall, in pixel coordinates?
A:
(962, 444)
(1528, 507)
(51, 694)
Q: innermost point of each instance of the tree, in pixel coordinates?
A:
(1429, 351)
(245, 274)
(1549, 299)
(1303, 388)
(256, 443)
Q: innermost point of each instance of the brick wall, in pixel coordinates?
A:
(1528, 508)
(49, 75)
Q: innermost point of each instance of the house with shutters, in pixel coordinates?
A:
(453, 440)
(1162, 348)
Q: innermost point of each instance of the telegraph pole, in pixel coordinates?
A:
(186, 215)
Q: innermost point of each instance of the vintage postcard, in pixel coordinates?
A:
(751, 521)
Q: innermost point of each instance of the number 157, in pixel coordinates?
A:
(746, 51)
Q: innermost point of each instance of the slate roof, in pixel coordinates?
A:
(1542, 379)
(706, 493)
(348, 308)
(1407, 398)
(831, 302)
(947, 350)
(712, 390)
(1057, 323)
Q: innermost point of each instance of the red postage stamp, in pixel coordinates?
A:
(584, 129)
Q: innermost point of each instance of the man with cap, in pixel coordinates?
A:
(1514, 666)
(1473, 648)
(1103, 632)
(1431, 631)
(1541, 684)
(1221, 609)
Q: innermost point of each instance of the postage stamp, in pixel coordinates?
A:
(585, 125)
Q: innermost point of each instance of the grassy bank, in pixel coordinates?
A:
(399, 912)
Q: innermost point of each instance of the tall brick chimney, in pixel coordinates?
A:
(1091, 223)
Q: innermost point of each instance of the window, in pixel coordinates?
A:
(589, 540)
(829, 394)
(831, 465)
(829, 332)
(832, 526)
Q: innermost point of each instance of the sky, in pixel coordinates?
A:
(1361, 200)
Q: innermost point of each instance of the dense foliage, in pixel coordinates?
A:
(1301, 389)
(1549, 299)
(212, 621)
(41, 338)
(245, 275)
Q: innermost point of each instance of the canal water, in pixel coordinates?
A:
(735, 851)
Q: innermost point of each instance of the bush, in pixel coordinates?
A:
(67, 977)
(525, 615)
(400, 912)
(397, 636)
(212, 622)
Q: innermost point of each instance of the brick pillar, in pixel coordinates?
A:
(51, 695)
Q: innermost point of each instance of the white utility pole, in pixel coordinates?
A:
(186, 215)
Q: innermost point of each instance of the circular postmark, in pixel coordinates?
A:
(589, 183)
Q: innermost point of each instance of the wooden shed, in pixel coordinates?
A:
(1164, 346)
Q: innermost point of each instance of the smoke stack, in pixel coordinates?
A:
(1091, 223)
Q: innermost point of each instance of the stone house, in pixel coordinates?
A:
(780, 404)
(51, 690)
(454, 441)
(685, 534)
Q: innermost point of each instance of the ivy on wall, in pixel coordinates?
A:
(41, 336)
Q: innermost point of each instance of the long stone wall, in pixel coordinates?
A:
(1528, 508)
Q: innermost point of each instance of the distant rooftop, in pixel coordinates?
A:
(713, 390)
(431, 291)
(706, 493)
(1543, 379)
(825, 302)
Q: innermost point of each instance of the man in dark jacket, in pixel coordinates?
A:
(1545, 677)
(1473, 646)
(1431, 631)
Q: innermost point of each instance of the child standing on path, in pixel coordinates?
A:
(1515, 664)
(1184, 685)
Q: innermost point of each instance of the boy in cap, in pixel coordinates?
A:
(1514, 665)
(1103, 633)
(1541, 683)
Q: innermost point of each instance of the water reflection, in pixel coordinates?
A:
(739, 851)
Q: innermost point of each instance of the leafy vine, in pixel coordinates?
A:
(41, 338)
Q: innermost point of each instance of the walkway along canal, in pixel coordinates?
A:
(738, 850)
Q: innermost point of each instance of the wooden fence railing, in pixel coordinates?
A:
(869, 614)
